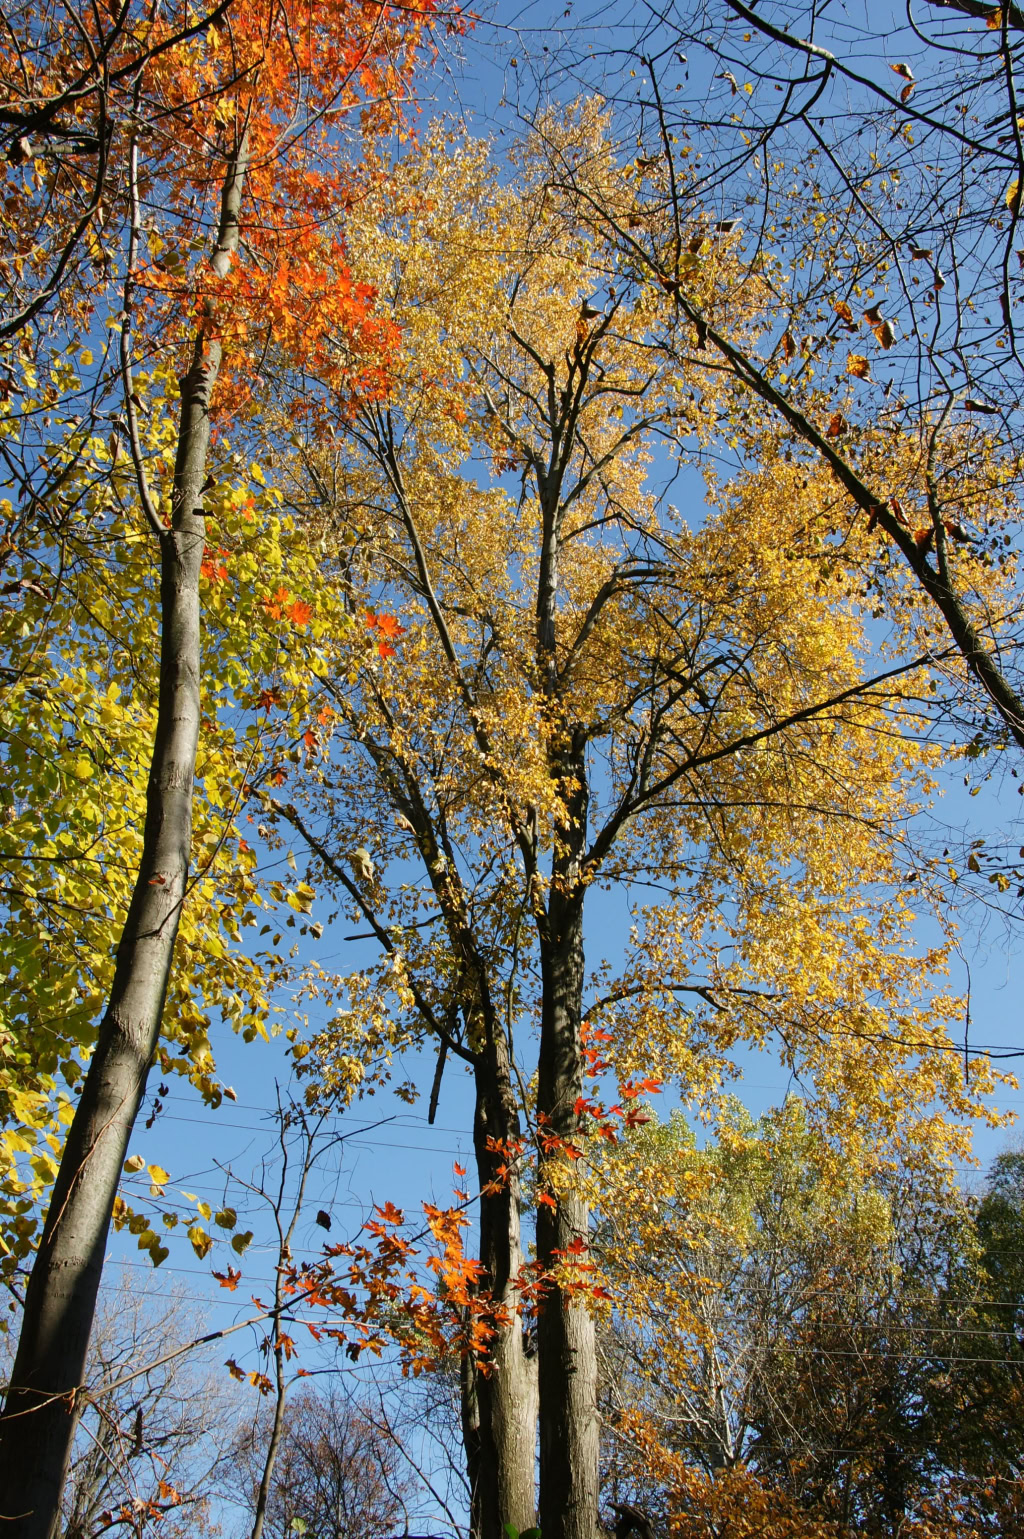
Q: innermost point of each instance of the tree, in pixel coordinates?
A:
(872, 369)
(975, 1407)
(336, 1474)
(787, 1326)
(158, 1449)
(72, 84)
(566, 685)
(270, 113)
(78, 712)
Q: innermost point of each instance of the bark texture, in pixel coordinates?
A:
(38, 1423)
(565, 1328)
(501, 1449)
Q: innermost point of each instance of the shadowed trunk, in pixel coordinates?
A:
(38, 1424)
(501, 1437)
(566, 1334)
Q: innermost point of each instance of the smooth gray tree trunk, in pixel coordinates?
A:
(38, 1423)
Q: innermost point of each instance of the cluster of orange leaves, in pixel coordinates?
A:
(281, 605)
(286, 77)
(735, 1504)
(365, 1295)
(386, 629)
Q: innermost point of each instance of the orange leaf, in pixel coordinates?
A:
(858, 366)
(299, 613)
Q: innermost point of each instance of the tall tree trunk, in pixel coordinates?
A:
(566, 1334)
(502, 1435)
(38, 1423)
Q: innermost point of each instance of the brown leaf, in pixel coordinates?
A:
(884, 335)
(858, 366)
(986, 410)
(994, 19)
(873, 315)
(844, 312)
(903, 70)
(788, 345)
(836, 426)
(907, 92)
(923, 538)
(920, 253)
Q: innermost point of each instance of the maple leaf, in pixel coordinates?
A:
(390, 1214)
(275, 605)
(299, 613)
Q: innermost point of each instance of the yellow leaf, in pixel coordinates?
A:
(201, 1242)
(1013, 196)
(858, 366)
(133, 1163)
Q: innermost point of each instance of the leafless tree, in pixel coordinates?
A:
(337, 1474)
(152, 1452)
